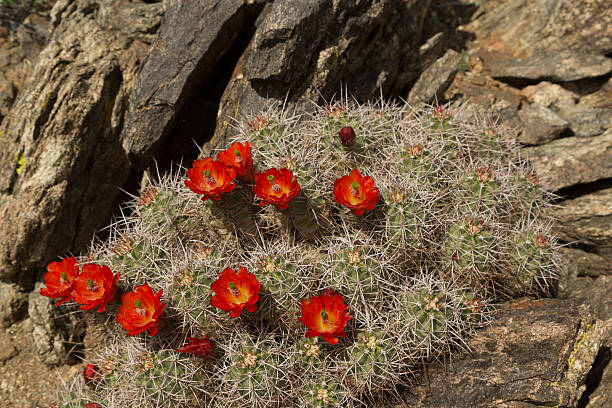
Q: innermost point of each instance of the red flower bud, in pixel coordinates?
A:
(94, 287)
(325, 316)
(92, 405)
(276, 187)
(141, 310)
(210, 178)
(200, 347)
(347, 136)
(59, 279)
(92, 374)
(234, 292)
(356, 192)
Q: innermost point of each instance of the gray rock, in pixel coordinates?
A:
(62, 163)
(540, 125)
(297, 49)
(434, 80)
(587, 116)
(13, 304)
(572, 160)
(535, 353)
(584, 263)
(53, 330)
(587, 220)
(545, 64)
(307, 50)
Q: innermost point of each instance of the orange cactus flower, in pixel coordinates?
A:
(59, 279)
(140, 310)
(200, 347)
(94, 287)
(276, 187)
(234, 292)
(238, 157)
(325, 316)
(210, 178)
(356, 192)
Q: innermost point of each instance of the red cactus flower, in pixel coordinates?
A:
(276, 187)
(325, 316)
(92, 405)
(234, 292)
(347, 136)
(356, 192)
(200, 347)
(94, 287)
(210, 178)
(92, 374)
(140, 310)
(238, 157)
(59, 279)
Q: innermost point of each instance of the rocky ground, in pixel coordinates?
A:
(86, 105)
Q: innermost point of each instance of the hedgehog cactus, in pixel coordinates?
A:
(323, 257)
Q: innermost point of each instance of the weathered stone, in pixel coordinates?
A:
(13, 304)
(434, 80)
(601, 396)
(540, 39)
(179, 65)
(587, 220)
(584, 263)
(535, 353)
(572, 160)
(540, 125)
(52, 328)
(62, 163)
(305, 50)
(596, 289)
(7, 351)
(587, 116)
(549, 65)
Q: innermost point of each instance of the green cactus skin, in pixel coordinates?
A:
(326, 393)
(279, 278)
(530, 255)
(427, 315)
(310, 354)
(468, 247)
(160, 375)
(404, 222)
(371, 361)
(354, 273)
(420, 164)
(255, 374)
(478, 192)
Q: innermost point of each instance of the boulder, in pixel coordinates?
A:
(62, 164)
(435, 79)
(572, 160)
(540, 125)
(13, 304)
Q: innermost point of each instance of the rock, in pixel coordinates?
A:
(596, 289)
(572, 160)
(307, 50)
(434, 80)
(584, 263)
(545, 39)
(285, 49)
(535, 353)
(601, 396)
(190, 57)
(62, 164)
(540, 125)
(588, 116)
(7, 351)
(587, 220)
(53, 330)
(13, 304)
(546, 64)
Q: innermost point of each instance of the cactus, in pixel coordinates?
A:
(330, 296)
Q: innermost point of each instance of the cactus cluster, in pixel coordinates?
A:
(399, 229)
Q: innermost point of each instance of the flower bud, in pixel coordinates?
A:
(347, 136)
